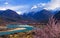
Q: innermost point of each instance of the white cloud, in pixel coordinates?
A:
(41, 4)
(35, 6)
(19, 12)
(53, 4)
(19, 9)
(6, 3)
(38, 5)
(2, 8)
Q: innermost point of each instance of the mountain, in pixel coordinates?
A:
(42, 15)
(57, 15)
(39, 16)
(9, 15)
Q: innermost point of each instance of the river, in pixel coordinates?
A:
(19, 28)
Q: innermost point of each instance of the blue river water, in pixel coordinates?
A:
(28, 28)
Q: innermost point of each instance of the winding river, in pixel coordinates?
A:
(16, 28)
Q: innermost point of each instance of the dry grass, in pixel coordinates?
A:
(51, 30)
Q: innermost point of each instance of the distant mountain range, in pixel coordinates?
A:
(57, 15)
(9, 15)
(38, 16)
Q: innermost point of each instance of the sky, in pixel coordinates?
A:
(22, 6)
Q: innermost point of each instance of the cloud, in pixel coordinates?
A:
(53, 4)
(6, 3)
(21, 12)
(39, 5)
(19, 9)
(11, 7)
(35, 6)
